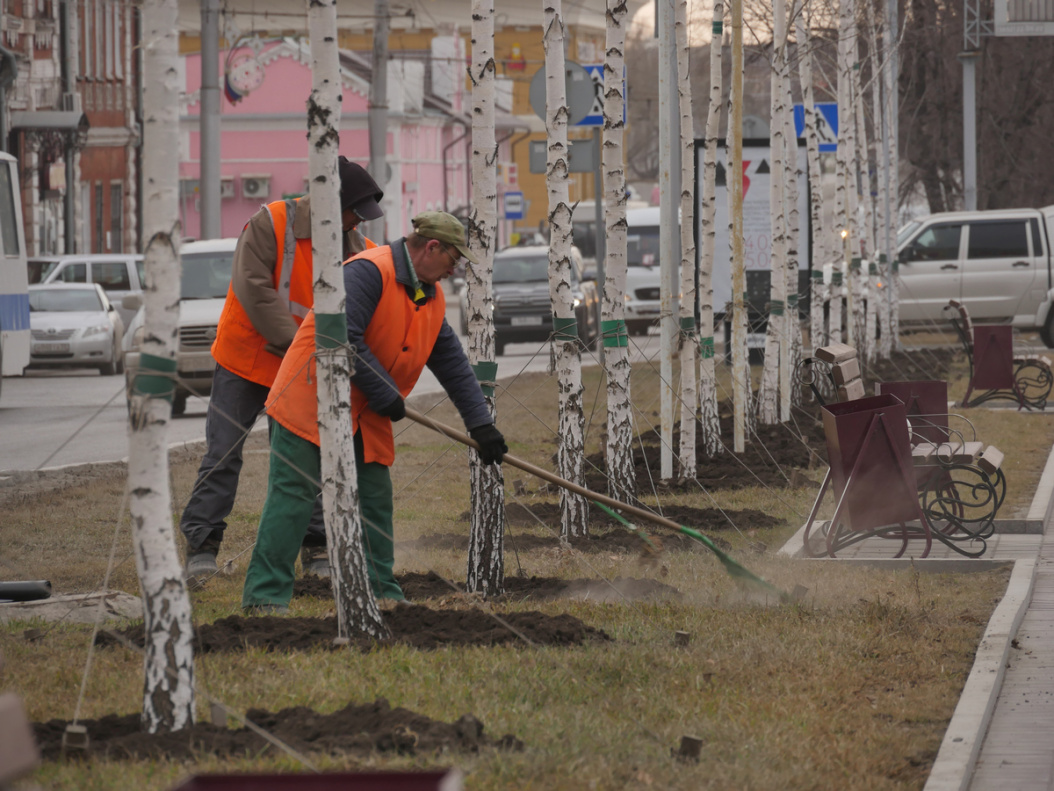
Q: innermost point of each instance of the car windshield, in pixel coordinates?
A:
(206, 275)
(521, 269)
(39, 270)
(64, 300)
(906, 231)
(642, 246)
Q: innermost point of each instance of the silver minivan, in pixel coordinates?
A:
(119, 274)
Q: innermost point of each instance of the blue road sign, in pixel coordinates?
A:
(513, 205)
(826, 124)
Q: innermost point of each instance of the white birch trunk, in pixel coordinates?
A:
(622, 477)
(741, 386)
(776, 335)
(486, 546)
(567, 358)
(881, 289)
(892, 96)
(689, 351)
(168, 665)
(877, 126)
(711, 423)
(865, 218)
(357, 611)
(818, 295)
(788, 391)
(843, 207)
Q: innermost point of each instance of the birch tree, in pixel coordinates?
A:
(567, 357)
(879, 274)
(741, 386)
(357, 611)
(776, 336)
(168, 665)
(486, 546)
(792, 325)
(892, 96)
(843, 208)
(622, 479)
(711, 423)
(864, 217)
(817, 295)
(689, 353)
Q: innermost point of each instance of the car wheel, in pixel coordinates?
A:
(499, 347)
(1046, 334)
(637, 327)
(179, 404)
(110, 368)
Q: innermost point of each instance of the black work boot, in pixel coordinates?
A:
(201, 562)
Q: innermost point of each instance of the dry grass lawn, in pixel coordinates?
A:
(850, 688)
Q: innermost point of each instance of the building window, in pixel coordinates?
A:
(97, 210)
(116, 218)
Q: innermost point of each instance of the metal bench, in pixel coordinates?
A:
(898, 467)
(993, 368)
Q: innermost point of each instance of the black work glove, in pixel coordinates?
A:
(396, 410)
(492, 447)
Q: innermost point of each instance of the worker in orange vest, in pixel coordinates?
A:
(271, 292)
(395, 313)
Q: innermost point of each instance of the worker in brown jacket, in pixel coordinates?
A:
(271, 292)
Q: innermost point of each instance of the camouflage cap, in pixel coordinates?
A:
(445, 228)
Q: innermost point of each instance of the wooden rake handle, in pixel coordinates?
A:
(545, 475)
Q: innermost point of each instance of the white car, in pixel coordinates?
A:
(74, 324)
(203, 291)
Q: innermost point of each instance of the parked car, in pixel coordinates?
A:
(997, 263)
(522, 307)
(120, 274)
(74, 324)
(203, 290)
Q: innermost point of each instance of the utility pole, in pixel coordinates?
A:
(973, 28)
(209, 121)
(377, 114)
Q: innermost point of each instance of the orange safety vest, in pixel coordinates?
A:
(239, 347)
(401, 336)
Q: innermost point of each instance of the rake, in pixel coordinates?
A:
(607, 504)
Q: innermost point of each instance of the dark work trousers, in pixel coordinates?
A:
(234, 407)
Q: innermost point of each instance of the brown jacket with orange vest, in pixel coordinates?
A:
(271, 289)
(394, 338)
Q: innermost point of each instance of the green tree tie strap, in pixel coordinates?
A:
(565, 330)
(792, 301)
(817, 274)
(836, 278)
(687, 324)
(706, 347)
(155, 377)
(854, 265)
(872, 269)
(717, 27)
(331, 330)
(776, 307)
(486, 373)
(614, 333)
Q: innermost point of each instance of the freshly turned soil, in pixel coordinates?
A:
(355, 729)
(421, 627)
(418, 587)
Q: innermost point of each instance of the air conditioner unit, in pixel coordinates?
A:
(226, 187)
(256, 186)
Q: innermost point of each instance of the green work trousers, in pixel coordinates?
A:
(291, 493)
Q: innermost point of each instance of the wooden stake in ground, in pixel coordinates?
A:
(711, 424)
(618, 452)
(574, 510)
(357, 611)
(689, 352)
(168, 665)
(486, 544)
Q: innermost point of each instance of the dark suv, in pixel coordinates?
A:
(522, 307)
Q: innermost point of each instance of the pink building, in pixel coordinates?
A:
(263, 137)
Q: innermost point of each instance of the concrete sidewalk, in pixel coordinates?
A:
(1001, 735)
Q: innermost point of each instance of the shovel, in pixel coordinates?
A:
(605, 502)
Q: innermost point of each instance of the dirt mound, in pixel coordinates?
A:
(411, 624)
(358, 730)
(705, 520)
(432, 586)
